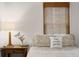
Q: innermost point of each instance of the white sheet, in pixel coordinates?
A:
(53, 52)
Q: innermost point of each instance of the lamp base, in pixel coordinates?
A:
(9, 45)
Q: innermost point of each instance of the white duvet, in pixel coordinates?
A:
(53, 52)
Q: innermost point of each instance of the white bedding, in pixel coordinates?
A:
(53, 52)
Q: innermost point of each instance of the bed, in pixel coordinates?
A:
(42, 47)
(51, 52)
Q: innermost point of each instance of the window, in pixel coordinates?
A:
(56, 18)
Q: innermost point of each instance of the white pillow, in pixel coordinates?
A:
(56, 42)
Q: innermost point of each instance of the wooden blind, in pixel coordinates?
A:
(48, 27)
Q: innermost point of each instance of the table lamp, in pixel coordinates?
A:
(8, 26)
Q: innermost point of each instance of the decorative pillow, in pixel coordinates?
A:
(41, 40)
(55, 42)
(68, 40)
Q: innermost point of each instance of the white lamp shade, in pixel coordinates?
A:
(7, 26)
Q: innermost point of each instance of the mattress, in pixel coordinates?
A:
(53, 52)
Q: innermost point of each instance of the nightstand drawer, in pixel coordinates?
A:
(19, 51)
(15, 50)
(9, 51)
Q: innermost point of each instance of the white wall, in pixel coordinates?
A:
(27, 17)
(74, 20)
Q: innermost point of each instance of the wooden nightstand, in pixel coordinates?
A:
(8, 51)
